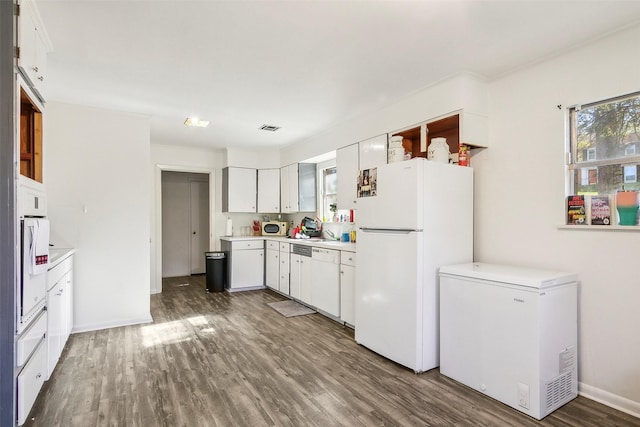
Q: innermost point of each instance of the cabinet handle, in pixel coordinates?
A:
(35, 69)
(41, 78)
(39, 375)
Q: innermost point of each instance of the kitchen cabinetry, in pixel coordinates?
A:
(325, 281)
(30, 381)
(283, 280)
(272, 265)
(347, 287)
(239, 188)
(269, 190)
(372, 152)
(298, 188)
(347, 168)
(462, 127)
(60, 310)
(246, 264)
(34, 45)
(289, 188)
(300, 287)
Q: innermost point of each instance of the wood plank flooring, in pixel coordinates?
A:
(225, 359)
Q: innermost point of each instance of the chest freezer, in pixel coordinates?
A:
(510, 333)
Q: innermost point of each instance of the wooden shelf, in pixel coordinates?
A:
(30, 138)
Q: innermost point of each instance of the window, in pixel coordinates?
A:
(603, 140)
(329, 196)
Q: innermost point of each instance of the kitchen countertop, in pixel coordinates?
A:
(328, 244)
(56, 256)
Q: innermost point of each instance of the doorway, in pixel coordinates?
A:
(185, 223)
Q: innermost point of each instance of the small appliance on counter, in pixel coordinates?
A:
(311, 227)
(273, 228)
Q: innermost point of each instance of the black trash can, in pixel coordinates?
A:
(216, 271)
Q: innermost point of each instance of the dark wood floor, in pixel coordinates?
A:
(230, 360)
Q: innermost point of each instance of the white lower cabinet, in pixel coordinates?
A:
(60, 310)
(246, 269)
(283, 279)
(347, 287)
(272, 269)
(30, 381)
(301, 278)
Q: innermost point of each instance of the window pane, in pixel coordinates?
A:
(330, 180)
(606, 179)
(607, 131)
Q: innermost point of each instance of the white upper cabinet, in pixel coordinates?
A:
(347, 169)
(269, 190)
(373, 152)
(34, 45)
(289, 188)
(239, 188)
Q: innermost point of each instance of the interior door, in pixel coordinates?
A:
(199, 208)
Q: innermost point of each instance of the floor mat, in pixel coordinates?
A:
(290, 308)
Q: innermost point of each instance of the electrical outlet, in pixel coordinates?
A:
(523, 395)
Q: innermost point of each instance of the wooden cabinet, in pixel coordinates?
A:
(464, 127)
(347, 170)
(347, 287)
(239, 189)
(30, 135)
(246, 264)
(34, 45)
(372, 152)
(289, 188)
(269, 190)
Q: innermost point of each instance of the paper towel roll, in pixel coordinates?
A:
(229, 229)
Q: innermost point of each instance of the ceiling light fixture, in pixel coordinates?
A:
(270, 128)
(194, 121)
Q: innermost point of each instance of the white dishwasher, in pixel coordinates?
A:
(325, 280)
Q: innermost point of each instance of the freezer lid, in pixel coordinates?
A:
(522, 276)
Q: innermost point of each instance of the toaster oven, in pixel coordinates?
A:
(273, 228)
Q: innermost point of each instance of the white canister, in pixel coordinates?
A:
(395, 141)
(395, 154)
(438, 150)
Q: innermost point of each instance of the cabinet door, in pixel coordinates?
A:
(285, 206)
(347, 169)
(247, 268)
(295, 276)
(68, 304)
(305, 280)
(240, 191)
(272, 267)
(269, 190)
(56, 317)
(29, 382)
(347, 294)
(292, 172)
(33, 50)
(373, 152)
(283, 281)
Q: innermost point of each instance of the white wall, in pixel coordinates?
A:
(520, 185)
(98, 193)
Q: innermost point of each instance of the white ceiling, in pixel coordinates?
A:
(301, 65)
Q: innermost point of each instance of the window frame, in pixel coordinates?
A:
(572, 145)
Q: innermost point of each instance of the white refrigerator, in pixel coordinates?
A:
(418, 216)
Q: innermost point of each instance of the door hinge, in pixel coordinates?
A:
(17, 54)
(16, 10)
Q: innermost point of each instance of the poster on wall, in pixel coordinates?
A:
(367, 182)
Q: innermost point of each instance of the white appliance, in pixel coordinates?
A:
(419, 218)
(511, 333)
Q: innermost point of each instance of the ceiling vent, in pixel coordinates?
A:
(270, 128)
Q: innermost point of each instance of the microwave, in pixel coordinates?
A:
(274, 228)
